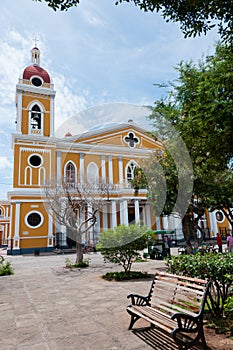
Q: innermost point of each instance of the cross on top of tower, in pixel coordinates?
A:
(35, 39)
(131, 139)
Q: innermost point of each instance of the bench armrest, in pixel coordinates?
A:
(188, 331)
(137, 299)
(186, 322)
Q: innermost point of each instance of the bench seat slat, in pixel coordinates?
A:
(155, 317)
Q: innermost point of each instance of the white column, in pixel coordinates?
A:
(165, 222)
(82, 219)
(17, 222)
(51, 115)
(110, 170)
(213, 223)
(120, 166)
(124, 212)
(81, 167)
(89, 215)
(50, 229)
(105, 217)
(59, 176)
(148, 216)
(97, 227)
(158, 223)
(103, 169)
(113, 214)
(19, 112)
(136, 211)
(5, 234)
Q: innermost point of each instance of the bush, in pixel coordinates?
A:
(125, 276)
(5, 267)
(121, 245)
(218, 268)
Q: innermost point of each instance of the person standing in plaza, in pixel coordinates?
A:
(230, 243)
(219, 242)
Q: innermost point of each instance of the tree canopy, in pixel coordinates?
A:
(195, 16)
(121, 245)
(199, 106)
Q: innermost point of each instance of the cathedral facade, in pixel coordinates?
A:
(107, 154)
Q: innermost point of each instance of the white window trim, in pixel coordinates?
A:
(36, 76)
(31, 105)
(126, 168)
(33, 212)
(97, 172)
(35, 154)
(75, 169)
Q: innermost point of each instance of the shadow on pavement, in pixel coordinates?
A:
(159, 339)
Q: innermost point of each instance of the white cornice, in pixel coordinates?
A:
(36, 90)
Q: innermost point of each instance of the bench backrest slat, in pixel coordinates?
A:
(178, 293)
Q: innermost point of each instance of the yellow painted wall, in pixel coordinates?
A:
(21, 159)
(115, 166)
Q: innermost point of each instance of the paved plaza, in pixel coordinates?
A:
(45, 306)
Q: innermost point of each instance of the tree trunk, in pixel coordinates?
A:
(79, 248)
(186, 228)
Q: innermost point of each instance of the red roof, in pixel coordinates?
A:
(68, 134)
(36, 70)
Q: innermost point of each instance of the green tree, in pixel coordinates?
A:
(195, 16)
(139, 180)
(62, 5)
(121, 245)
(199, 107)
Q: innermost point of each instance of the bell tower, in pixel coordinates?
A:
(35, 100)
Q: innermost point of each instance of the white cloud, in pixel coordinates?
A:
(5, 163)
(67, 103)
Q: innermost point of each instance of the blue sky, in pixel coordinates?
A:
(96, 54)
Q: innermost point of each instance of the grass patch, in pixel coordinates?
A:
(5, 267)
(71, 265)
(125, 276)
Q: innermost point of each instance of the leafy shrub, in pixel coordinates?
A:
(121, 245)
(123, 276)
(5, 267)
(218, 268)
(228, 307)
(71, 265)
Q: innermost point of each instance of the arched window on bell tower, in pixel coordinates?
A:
(35, 120)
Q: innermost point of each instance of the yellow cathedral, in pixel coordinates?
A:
(111, 153)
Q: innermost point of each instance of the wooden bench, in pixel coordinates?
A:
(174, 304)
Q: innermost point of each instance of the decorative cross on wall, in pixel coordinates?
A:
(131, 139)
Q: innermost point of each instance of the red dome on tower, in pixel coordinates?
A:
(33, 70)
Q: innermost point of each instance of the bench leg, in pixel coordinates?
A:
(204, 345)
(134, 318)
